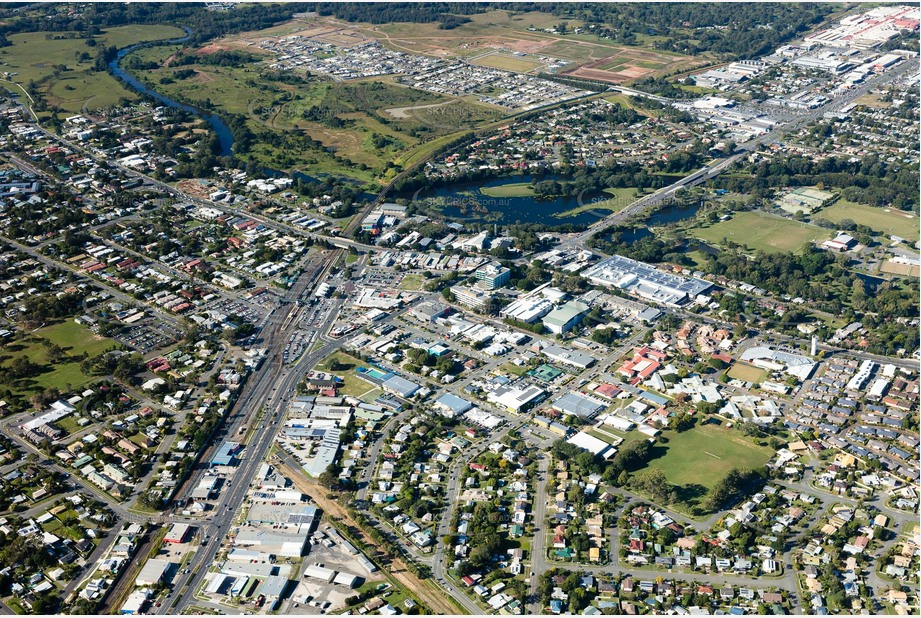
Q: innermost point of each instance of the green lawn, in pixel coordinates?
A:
(624, 100)
(747, 373)
(514, 369)
(73, 338)
(353, 385)
(620, 199)
(16, 606)
(412, 282)
(507, 63)
(762, 231)
(698, 257)
(628, 436)
(888, 221)
(68, 424)
(703, 455)
(514, 189)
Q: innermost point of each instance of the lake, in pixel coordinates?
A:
(672, 214)
(465, 202)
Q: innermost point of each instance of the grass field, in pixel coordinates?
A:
(628, 436)
(412, 282)
(624, 100)
(68, 424)
(376, 121)
(612, 63)
(64, 76)
(353, 385)
(698, 257)
(73, 338)
(883, 220)
(508, 30)
(620, 199)
(747, 373)
(514, 189)
(514, 369)
(762, 231)
(703, 455)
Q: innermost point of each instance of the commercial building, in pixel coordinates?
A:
(321, 573)
(493, 275)
(226, 455)
(429, 311)
(646, 281)
(578, 404)
(325, 453)
(400, 386)
(178, 533)
(289, 542)
(573, 358)
(154, 571)
(373, 222)
(528, 310)
(58, 410)
(347, 579)
(136, 602)
(870, 28)
(474, 298)
(827, 64)
(517, 400)
(555, 427)
(274, 586)
(592, 444)
(795, 365)
(452, 404)
(206, 488)
(565, 318)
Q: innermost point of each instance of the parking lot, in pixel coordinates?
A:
(249, 310)
(147, 337)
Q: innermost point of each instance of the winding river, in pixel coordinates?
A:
(220, 127)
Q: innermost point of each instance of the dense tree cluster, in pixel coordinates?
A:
(484, 537)
(204, 24)
(448, 15)
(629, 458)
(869, 180)
(730, 488)
(749, 30)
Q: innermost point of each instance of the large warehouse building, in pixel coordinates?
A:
(646, 281)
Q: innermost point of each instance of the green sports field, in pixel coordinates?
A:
(703, 455)
(73, 338)
(762, 231)
(884, 220)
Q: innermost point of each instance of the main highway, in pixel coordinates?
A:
(270, 388)
(716, 167)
